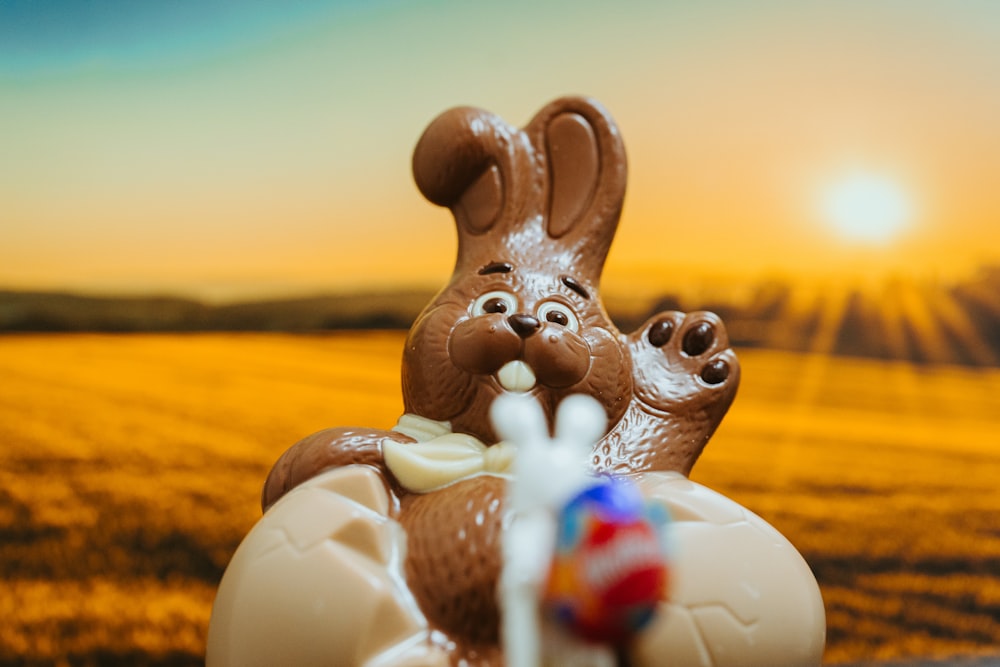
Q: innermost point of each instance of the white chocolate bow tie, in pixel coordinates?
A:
(440, 457)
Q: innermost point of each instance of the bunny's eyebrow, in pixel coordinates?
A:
(571, 282)
(496, 267)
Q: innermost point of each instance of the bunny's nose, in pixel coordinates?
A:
(524, 325)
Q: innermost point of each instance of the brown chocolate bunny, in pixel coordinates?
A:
(536, 211)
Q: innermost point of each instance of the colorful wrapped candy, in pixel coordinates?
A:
(610, 567)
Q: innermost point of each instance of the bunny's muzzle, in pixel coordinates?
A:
(517, 348)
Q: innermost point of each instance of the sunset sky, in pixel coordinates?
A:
(227, 149)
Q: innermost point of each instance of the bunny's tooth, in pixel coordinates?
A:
(516, 376)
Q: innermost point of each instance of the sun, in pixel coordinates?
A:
(867, 208)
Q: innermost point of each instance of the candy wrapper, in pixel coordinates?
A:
(610, 566)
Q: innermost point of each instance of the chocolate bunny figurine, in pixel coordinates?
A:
(382, 547)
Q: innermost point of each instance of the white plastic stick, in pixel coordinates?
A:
(547, 474)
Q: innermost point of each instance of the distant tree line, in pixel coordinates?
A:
(906, 320)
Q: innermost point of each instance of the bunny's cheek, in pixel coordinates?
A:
(559, 357)
(482, 345)
(609, 378)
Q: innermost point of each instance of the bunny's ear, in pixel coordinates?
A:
(465, 161)
(587, 171)
(547, 196)
(574, 163)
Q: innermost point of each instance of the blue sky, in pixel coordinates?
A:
(60, 37)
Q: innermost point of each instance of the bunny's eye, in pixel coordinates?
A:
(557, 313)
(494, 302)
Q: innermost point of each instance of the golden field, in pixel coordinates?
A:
(132, 464)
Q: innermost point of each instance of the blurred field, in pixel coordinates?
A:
(130, 468)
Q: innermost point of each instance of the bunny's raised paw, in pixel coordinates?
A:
(685, 377)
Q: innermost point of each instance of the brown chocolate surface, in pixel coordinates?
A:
(453, 556)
